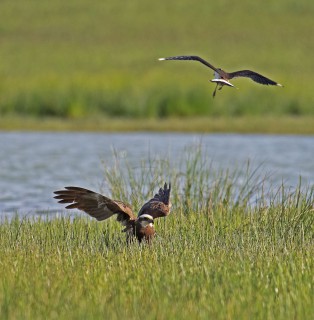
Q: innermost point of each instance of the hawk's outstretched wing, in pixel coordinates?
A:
(95, 204)
(159, 206)
(254, 76)
(194, 58)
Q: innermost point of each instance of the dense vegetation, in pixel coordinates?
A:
(232, 248)
(77, 58)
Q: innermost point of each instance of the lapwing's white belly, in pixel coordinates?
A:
(222, 82)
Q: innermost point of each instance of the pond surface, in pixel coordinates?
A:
(33, 165)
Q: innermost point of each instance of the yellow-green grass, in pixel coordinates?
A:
(245, 124)
(78, 58)
(222, 265)
(217, 256)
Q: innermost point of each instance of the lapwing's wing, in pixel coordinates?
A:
(95, 204)
(194, 58)
(254, 76)
(159, 205)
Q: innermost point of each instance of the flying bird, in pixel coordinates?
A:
(222, 77)
(100, 207)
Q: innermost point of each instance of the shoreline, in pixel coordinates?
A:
(303, 125)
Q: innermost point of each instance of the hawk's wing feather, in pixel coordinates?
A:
(95, 204)
(163, 194)
(159, 205)
(254, 76)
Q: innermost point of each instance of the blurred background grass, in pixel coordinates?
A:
(83, 58)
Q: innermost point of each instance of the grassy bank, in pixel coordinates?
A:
(218, 255)
(83, 58)
(245, 124)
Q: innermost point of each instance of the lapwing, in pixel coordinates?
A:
(221, 77)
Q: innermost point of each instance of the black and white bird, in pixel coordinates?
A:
(222, 77)
(102, 208)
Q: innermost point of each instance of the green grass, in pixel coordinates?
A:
(84, 58)
(217, 256)
(256, 266)
(245, 124)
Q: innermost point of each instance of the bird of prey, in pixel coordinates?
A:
(102, 208)
(222, 77)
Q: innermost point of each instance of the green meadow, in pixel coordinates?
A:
(99, 59)
(232, 248)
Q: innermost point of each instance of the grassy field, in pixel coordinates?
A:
(231, 249)
(85, 58)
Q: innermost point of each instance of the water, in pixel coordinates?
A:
(33, 165)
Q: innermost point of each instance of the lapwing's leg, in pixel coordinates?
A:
(214, 93)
